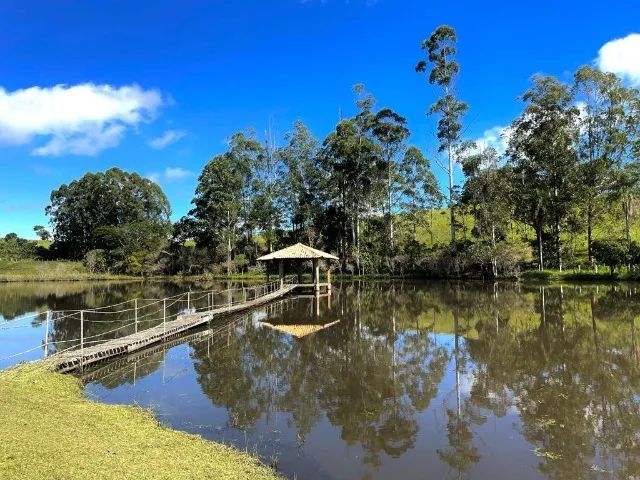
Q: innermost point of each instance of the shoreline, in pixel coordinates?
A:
(53, 431)
(528, 276)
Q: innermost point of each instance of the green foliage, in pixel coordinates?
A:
(95, 261)
(81, 211)
(14, 248)
(441, 49)
(568, 183)
(545, 163)
(42, 233)
(611, 253)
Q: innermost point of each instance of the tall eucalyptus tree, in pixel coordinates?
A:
(441, 49)
(543, 154)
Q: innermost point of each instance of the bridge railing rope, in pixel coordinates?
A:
(101, 324)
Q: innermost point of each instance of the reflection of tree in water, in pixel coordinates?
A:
(242, 376)
(565, 361)
(370, 381)
(572, 377)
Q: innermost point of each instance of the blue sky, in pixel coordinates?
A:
(157, 87)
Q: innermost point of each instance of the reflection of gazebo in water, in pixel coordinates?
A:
(300, 253)
(299, 330)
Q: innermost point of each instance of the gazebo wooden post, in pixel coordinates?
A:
(281, 272)
(299, 266)
(268, 274)
(316, 275)
(328, 278)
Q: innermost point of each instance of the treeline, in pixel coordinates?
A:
(369, 196)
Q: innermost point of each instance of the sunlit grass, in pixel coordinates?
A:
(49, 430)
(38, 270)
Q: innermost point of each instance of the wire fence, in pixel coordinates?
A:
(68, 330)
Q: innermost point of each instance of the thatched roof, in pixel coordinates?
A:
(299, 330)
(297, 251)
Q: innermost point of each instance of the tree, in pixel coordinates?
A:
(390, 131)
(42, 233)
(218, 203)
(626, 189)
(601, 140)
(611, 253)
(301, 191)
(113, 198)
(229, 201)
(441, 48)
(349, 158)
(487, 190)
(421, 192)
(543, 155)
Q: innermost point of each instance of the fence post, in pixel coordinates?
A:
(135, 314)
(164, 318)
(81, 339)
(46, 335)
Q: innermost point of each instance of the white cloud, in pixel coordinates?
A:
(496, 137)
(166, 139)
(80, 119)
(622, 57)
(170, 174)
(176, 173)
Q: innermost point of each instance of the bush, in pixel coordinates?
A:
(611, 253)
(96, 261)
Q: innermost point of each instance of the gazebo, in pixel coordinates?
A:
(300, 253)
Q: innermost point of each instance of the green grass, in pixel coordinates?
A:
(610, 226)
(37, 270)
(49, 430)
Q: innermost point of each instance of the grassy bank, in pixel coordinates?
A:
(37, 271)
(49, 430)
(570, 275)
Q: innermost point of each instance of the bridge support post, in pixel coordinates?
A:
(46, 334)
(189, 301)
(135, 313)
(164, 319)
(281, 272)
(81, 340)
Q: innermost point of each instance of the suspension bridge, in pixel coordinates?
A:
(90, 351)
(75, 339)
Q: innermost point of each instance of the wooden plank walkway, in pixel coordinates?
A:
(74, 359)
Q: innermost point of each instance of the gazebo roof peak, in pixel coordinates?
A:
(297, 251)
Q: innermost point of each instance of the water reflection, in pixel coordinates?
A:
(432, 376)
(437, 380)
(40, 318)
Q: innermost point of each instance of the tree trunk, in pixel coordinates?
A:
(494, 260)
(589, 231)
(538, 229)
(626, 209)
(358, 241)
(451, 207)
(228, 242)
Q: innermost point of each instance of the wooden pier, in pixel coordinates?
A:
(78, 359)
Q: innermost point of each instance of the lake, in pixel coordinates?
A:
(401, 380)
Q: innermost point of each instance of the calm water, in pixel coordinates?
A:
(405, 380)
